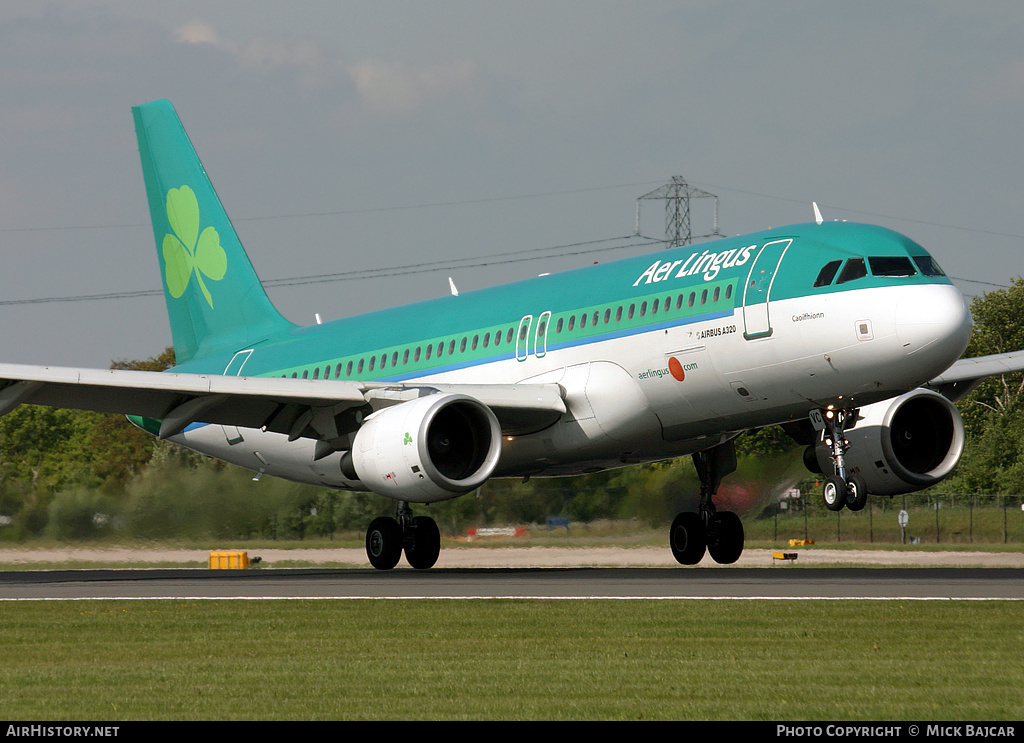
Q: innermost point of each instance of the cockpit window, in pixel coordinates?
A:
(928, 265)
(894, 265)
(827, 273)
(854, 269)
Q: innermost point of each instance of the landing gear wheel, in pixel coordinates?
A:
(422, 542)
(856, 495)
(834, 493)
(687, 538)
(384, 543)
(725, 537)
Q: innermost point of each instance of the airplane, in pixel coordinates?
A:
(847, 335)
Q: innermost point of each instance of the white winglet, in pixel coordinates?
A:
(451, 285)
(817, 213)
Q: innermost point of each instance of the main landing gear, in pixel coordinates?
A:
(417, 536)
(719, 533)
(842, 488)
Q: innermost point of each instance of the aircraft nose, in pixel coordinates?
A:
(933, 324)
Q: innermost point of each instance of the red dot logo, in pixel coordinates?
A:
(676, 369)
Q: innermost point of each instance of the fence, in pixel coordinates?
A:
(925, 518)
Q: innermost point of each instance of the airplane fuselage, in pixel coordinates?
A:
(658, 356)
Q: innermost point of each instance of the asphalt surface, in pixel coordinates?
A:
(781, 582)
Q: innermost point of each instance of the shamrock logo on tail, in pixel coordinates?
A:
(187, 250)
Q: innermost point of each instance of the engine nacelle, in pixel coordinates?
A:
(902, 445)
(428, 449)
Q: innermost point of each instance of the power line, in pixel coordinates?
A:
(677, 229)
(495, 259)
(876, 215)
(515, 197)
(343, 212)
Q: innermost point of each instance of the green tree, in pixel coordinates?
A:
(993, 461)
(998, 328)
(49, 451)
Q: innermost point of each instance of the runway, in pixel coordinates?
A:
(781, 583)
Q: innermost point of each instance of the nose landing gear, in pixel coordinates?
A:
(843, 489)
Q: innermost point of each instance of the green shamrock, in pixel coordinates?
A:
(187, 249)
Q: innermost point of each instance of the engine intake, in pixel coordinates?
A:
(428, 449)
(902, 445)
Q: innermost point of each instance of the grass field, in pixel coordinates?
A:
(511, 660)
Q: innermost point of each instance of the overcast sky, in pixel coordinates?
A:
(357, 136)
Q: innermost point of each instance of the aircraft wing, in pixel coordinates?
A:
(965, 374)
(297, 407)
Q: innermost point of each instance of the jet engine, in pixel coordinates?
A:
(428, 449)
(902, 445)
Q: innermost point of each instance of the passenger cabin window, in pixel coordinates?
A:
(854, 269)
(895, 265)
(928, 266)
(827, 273)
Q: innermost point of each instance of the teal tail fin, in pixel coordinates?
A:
(214, 298)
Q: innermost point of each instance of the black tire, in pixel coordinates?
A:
(725, 537)
(856, 494)
(422, 543)
(687, 538)
(834, 493)
(384, 543)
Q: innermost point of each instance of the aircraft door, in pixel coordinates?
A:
(523, 338)
(757, 290)
(540, 341)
